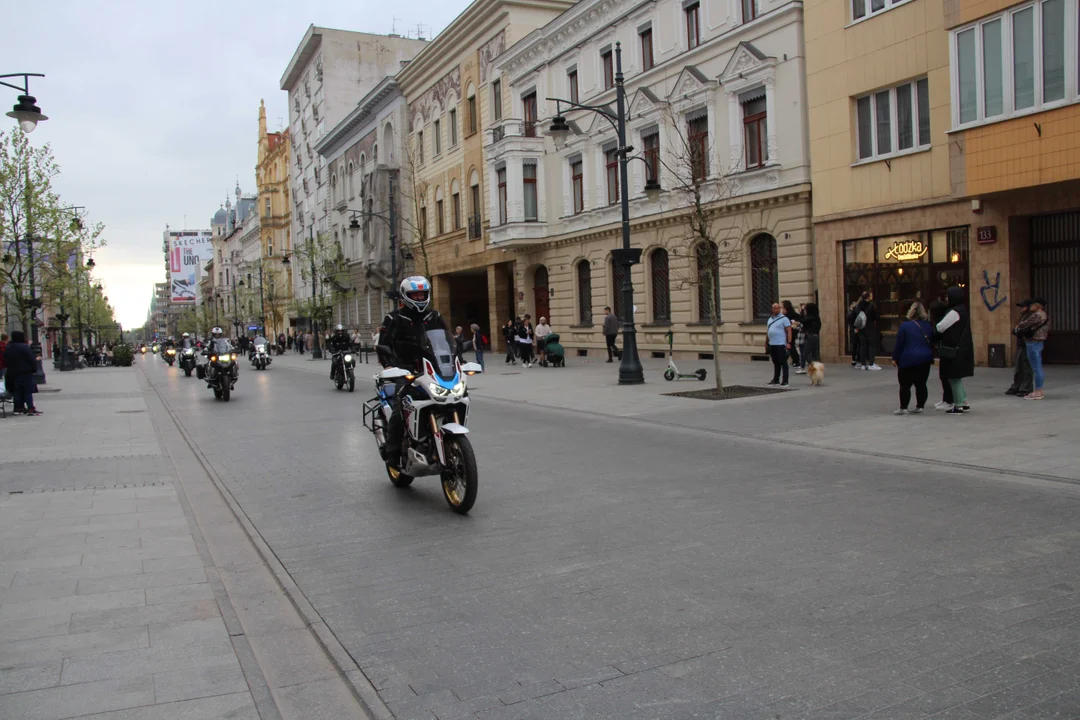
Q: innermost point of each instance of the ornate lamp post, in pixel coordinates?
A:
(390, 218)
(26, 111)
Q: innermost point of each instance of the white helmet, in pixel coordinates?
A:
(415, 292)
(216, 332)
(185, 336)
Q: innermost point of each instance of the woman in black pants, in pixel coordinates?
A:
(913, 356)
(938, 311)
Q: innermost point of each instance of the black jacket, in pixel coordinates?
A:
(958, 336)
(338, 343)
(402, 332)
(20, 360)
(811, 321)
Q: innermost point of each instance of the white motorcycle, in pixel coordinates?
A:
(260, 357)
(435, 410)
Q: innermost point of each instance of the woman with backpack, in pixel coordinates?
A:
(956, 349)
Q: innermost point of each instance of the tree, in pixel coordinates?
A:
(710, 234)
(414, 194)
(275, 295)
(325, 257)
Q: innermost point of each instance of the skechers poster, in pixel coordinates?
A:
(189, 251)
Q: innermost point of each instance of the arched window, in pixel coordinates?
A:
(455, 205)
(388, 141)
(764, 278)
(352, 183)
(440, 217)
(333, 189)
(474, 205)
(661, 286)
(708, 280)
(375, 156)
(618, 272)
(584, 292)
(363, 169)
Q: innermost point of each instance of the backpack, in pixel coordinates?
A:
(860, 320)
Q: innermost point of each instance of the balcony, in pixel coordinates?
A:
(518, 132)
(476, 227)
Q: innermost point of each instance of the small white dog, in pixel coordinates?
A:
(816, 371)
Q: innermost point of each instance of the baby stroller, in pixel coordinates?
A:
(556, 355)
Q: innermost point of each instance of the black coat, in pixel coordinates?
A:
(20, 360)
(958, 336)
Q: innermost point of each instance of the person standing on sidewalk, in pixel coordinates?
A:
(811, 326)
(1023, 381)
(913, 356)
(542, 331)
(955, 348)
(1036, 328)
(778, 331)
(611, 331)
(796, 328)
(865, 324)
(478, 342)
(3, 346)
(525, 342)
(21, 367)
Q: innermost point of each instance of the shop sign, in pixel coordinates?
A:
(906, 250)
(986, 234)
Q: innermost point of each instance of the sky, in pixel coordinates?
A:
(154, 106)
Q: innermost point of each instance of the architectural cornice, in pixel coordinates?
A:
(304, 52)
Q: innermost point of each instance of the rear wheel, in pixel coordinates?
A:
(669, 374)
(701, 374)
(398, 478)
(459, 480)
(226, 391)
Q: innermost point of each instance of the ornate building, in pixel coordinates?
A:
(275, 208)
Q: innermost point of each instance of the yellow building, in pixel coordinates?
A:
(275, 210)
(943, 154)
(449, 91)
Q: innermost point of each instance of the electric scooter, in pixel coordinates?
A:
(672, 372)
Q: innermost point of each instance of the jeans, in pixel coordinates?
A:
(779, 354)
(479, 357)
(611, 349)
(1023, 379)
(22, 397)
(915, 375)
(959, 396)
(1034, 354)
(811, 349)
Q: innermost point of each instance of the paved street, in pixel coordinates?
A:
(630, 555)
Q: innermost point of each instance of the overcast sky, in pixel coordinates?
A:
(154, 105)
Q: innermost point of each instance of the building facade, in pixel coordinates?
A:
(942, 155)
(272, 173)
(363, 156)
(328, 73)
(716, 109)
(452, 94)
(229, 226)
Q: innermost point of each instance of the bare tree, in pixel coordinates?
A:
(414, 193)
(710, 234)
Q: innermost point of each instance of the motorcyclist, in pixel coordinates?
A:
(338, 342)
(401, 345)
(185, 341)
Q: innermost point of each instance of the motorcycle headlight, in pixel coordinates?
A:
(437, 390)
(348, 358)
(458, 390)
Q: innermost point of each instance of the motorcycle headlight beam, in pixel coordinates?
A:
(458, 390)
(437, 390)
(348, 358)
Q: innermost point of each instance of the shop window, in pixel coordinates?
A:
(764, 276)
(707, 258)
(584, 288)
(661, 285)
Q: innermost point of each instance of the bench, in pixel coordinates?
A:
(5, 397)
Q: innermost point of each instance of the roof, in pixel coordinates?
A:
(220, 217)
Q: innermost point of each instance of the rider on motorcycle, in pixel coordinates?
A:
(402, 332)
(185, 341)
(338, 342)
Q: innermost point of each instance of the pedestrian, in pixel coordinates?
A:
(611, 331)
(865, 324)
(912, 357)
(3, 346)
(542, 331)
(796, 331)
(1023, 381)
(937, 311)
(955, 348)
(289, 341)
(778, 334)
(21, 368)
(1035, 329)
(459, 342)
(853, 337)
(525, 342)
(510, 337)
(811, 327)
(478, 343)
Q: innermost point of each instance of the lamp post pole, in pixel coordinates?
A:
(316, 351)
(236, 310)
(391, 220)
(262, 301)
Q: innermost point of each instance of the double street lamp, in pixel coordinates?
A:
(630, 371)
(26, 111)
(262, 301)
(390, 218)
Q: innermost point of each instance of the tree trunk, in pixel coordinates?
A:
(715, 318)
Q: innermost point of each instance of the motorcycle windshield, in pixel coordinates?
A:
(221, 346)
(439, 350)
(261, 342)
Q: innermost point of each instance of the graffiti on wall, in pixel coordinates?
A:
(991, 292)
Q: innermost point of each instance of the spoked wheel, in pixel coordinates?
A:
(398, 478)
(459, 481)
(352, 381)
(225, 392)
(339, 381)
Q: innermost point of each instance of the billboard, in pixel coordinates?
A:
(189, 251)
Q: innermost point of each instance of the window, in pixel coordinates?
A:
(750, 10)
(528, 179)
(763, 275)
(436, 132)
(528, 103)
(860, 10)
(611, 161)
(608, 67)
(269, 247)
(584, 292)
(496, 99)
(474, 193)
(893, 121)
(420, 146)
(471, 108)
(1013, 62)
(755, 131)
(267, 207)
(352, 184)
(500, 176)
(697, 137)
(571, 79)
(440, 217)
(693, 27)
(651, 152)
(707, 258)
(661, 286)
(618, 276)
(646, 49)
(578, 184)
(452, 119)
(423, 221)
(455, 209)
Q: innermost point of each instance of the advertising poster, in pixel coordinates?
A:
(189, 251)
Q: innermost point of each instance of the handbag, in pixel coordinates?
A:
(949, 352)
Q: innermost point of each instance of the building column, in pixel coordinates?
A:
(440, 295)
(499, 303)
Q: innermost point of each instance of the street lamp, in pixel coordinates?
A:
(26, 111)
(630, 371)
(390, 218)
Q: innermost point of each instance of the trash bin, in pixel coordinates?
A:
(995, 355)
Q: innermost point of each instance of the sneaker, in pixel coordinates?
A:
(773, 382)
(875, 366)
(916, 411)
(967, 408)
(942, 405)
(31, 413)
(954, 411)
(1011, 391)
(900, 411)
(800, 371)
(783, 384)
(1037, 395)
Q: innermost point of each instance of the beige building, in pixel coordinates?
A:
(452, 95)
(272, 173)
(943, 154)
(716, 107)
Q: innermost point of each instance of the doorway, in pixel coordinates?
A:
(541, 294)
(1055, 277)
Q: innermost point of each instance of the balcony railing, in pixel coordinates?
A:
(476, 227)
(513, 127)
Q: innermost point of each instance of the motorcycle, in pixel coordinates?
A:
(170, 355)
(154, 349)
(435, 409)
(260, 358)
(187, 361)
(341, 370)
(221, 373)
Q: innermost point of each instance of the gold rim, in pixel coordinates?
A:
(394, 473)
(451, 492)
(455, 486)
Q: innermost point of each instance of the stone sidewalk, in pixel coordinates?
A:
(130, 593)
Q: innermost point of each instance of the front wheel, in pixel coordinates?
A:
(217, 394)
(352, 381)
(398, 478)
(669, 374)
(187, 372)
(339, 381)
(459, 480)
(226, 391)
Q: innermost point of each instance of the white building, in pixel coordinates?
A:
(723, 81)
(329, 72)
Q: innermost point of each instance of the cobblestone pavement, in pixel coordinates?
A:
(618, 568)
